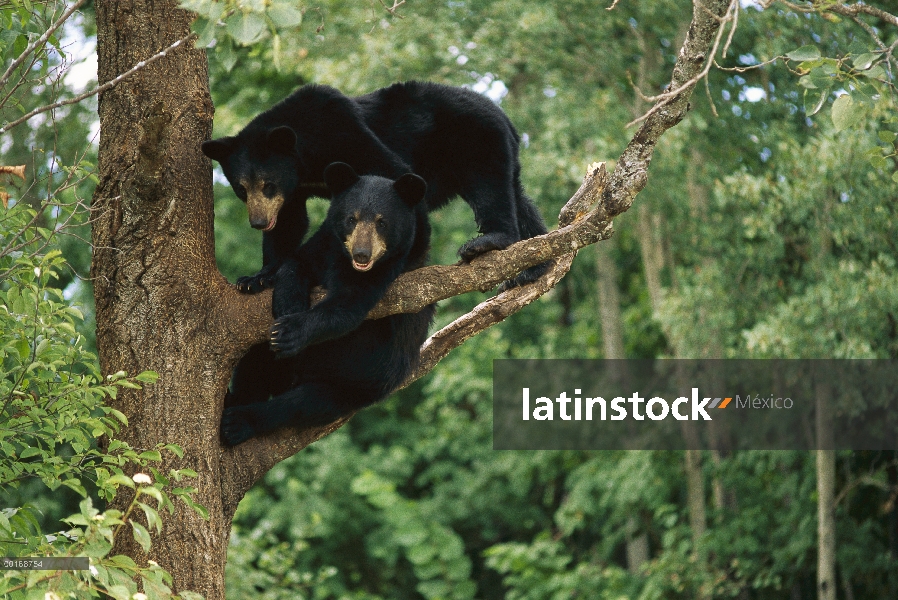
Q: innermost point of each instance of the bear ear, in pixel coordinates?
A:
(410, 188)
(282, 139)
(339, 177)
(219, 149)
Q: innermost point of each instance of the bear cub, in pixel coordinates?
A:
(376, 229)
(460, 142)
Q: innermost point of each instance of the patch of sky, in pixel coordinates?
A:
(752, 94)
(489, 86)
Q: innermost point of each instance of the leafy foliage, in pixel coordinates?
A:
(54, 407)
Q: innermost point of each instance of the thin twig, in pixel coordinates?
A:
(710, 99)
(99, 89)
(726, 46)
(748, 68)
(39, 42)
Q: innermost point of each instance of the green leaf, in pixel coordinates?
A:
(153, 519)
(205, 31)
(846, 113)
(75, 484)
(147, 377)
(246, 28)
(152, 491)
(886, 136)
(285, 15)
(29, 452)
(175, 449)
(876, 72)
(864, 61)
(804, 53)
(20, 44)
(226, 55)
(118, 414)
(813, 101)
(153, 455)
(879, 162)
(120, 479)
(199, 508)
(895, 176)
(141, 535)
(119, 592)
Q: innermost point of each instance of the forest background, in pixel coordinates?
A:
(767, 229)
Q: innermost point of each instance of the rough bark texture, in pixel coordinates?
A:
(163, 305)
(161, 302)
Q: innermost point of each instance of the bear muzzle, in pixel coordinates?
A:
(263, 211)
(365, 246)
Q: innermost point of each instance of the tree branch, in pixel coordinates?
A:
(99, 89)
(579, 227)
(38, 43)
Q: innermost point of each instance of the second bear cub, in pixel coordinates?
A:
(375, 230)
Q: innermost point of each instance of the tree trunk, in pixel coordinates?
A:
(826, 497)
(161, 302)
(609, 302)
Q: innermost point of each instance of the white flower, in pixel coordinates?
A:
(93, 571)
(52, 596)
(142, 478)
(153, 563)
(139, 596)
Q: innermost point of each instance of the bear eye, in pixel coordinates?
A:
(240, 191)
(381, 224)
(269, 189)
(350, 221)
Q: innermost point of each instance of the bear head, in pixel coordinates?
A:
(262, 167)
(374, 218)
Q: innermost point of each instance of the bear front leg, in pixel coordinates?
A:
(334, 317)
(292, 288)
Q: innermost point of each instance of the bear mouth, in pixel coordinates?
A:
(271, 224)
(362, 267)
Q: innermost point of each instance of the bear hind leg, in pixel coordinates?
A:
(307, 405)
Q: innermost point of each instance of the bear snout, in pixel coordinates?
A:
(365, 245)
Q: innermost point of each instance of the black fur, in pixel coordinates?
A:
(460, 142)
(340, 362)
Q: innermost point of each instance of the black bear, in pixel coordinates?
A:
(375, 229)
(460, 142)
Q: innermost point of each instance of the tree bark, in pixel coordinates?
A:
(162, 304)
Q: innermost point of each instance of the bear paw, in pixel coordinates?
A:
(286, 337)
(253, 284)
(235, 426)
(483, 244)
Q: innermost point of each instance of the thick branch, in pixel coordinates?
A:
(631, 172)
(416, 289)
